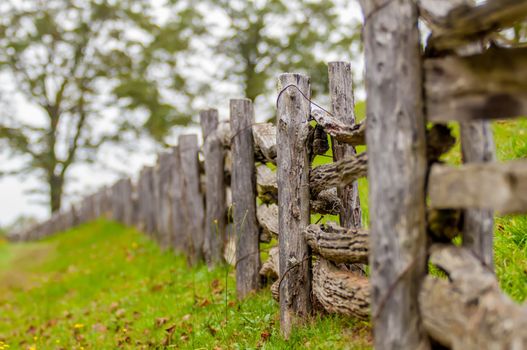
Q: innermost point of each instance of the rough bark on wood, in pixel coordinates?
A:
(341, 292)
(341, 173)
(343, 108)
(293, 200)
(265, 142)
(178, 239)
(215, 203)
(396, 171)
(193, 208)
(468, 311)
(244, 198)
(323, 202)
(267, 216)
(498, 186)
(338, 244)
(455, 27)
(351, 134)
(481, 86)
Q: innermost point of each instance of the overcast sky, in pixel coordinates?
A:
(15, 199)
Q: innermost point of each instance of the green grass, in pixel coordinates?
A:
(105, 286)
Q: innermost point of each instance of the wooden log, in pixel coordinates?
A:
(396, 171)
(343, 108)
(293, 200)
(243, 187)
(193, 208)
(215, 204)
(338, 244)
(455, 27)
(468, 311)
(178, 239)
(271, 268)
(498, 186)
(341, 173)
(164, 204)
(267, 216)
(482, 86)
(341, 292)
(354, 134)
(265, 142)
(324, 202)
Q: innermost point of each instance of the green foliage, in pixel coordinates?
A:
(104, 286)
(74, 60)
(266, 38)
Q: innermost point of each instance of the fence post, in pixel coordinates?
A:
(193, 211)
(293, 199)
(342, 106)
(243, 185)
(396, 171)
(177, 231)
(215, 202)
(163, 211)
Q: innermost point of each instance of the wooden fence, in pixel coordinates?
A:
(201, 201)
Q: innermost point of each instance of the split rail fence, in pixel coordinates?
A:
(251, 181)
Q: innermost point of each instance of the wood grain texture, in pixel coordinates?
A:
(193, 208)
(164, 200)
(178, 240)
(468, 311)
(458, 26)
(354, 135)
(243, 187)
(341, 292)
(338, 244)
(477, 145)
(265, 142)
(338, 174)
(343, 108)
(267, 216)
(146, 200)
(396, 171)
(496, 185)
(215, 202)
(489, 85)
(293, 200)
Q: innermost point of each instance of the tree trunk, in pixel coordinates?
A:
(56, 186)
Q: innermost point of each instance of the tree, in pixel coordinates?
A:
(74, 60)
(266, 38)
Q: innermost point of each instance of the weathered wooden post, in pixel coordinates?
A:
(342, 107)
(215, 203)
(243, 185)
(193, 210)
(163, 199)
(396, 170)
(293, 199)
(177, 231)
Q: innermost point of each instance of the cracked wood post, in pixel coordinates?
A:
(293, 200)
(243, 185)
(215, 202)
(193, 208)
(396, 171)
(342, 107)
(178, 240)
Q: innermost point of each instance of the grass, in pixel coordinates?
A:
(106, 286)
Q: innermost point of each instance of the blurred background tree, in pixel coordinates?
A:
(75, 60)
(113, 71)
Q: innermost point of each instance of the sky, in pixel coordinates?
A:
(113, 162)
